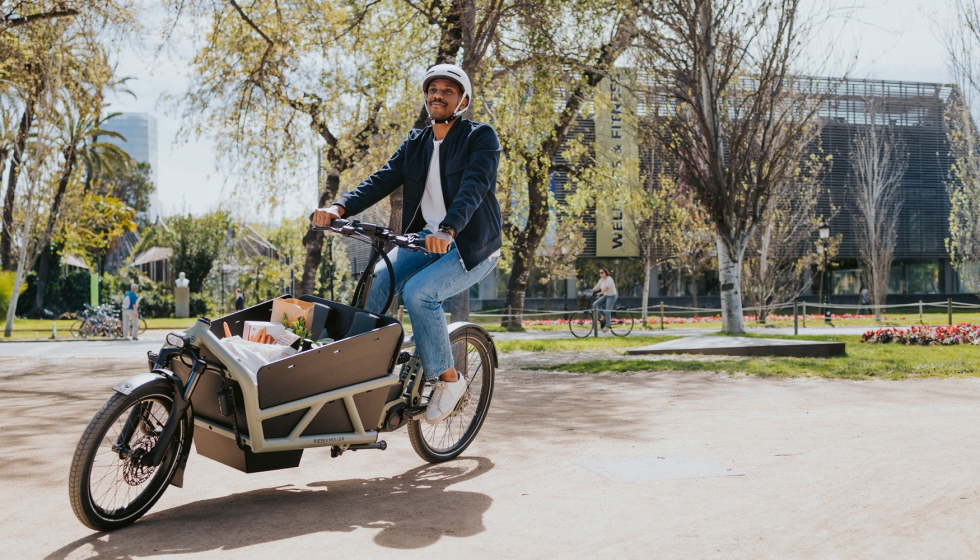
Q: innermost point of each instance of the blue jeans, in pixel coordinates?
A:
(425, 281)
(609, 302)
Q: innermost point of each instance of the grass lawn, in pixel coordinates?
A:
(863, 361)
(41, 328)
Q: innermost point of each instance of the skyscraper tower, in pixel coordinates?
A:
(140, 131)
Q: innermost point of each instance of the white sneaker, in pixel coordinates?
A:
(444, 399)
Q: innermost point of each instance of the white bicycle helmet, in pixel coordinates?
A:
(450, 72)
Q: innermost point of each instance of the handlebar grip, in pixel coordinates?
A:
(339, 223)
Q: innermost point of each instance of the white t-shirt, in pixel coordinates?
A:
(433, 203)
(606, 287)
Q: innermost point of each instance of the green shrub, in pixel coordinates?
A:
(200, 306)
(76, 291)
(7, 290)
(156, 305)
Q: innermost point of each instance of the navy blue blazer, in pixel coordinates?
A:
(468, 160)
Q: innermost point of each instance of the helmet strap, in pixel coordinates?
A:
(450, 118)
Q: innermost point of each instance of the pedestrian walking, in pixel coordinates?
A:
(239, 300)
(606, 290)
(130, 313)
(864, 303)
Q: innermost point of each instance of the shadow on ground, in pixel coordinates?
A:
(413, 510)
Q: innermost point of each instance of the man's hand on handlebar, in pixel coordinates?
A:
(322, 217)
(438, 242)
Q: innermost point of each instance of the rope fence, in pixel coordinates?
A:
(798, 311)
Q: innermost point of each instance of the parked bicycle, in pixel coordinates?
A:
(103, 320)
(341, 395)
(587, 321)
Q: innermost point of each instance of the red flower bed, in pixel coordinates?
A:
(655, 318)
(964, 333)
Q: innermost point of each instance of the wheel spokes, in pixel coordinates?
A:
(117, 479)
(442, 437)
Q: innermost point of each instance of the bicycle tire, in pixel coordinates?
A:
(75, 329)
(581, 323)
(466, 422)
(142, 325)
(622, 323)
(123, 471)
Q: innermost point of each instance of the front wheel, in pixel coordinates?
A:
(581, 323)
(447, 439)
(80, 329)
(108, 485)
(142, 325)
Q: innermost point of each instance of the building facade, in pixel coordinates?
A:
(911, 114)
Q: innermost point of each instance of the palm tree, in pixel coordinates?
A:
(81, 129)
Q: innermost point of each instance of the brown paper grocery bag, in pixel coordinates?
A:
(293, 309)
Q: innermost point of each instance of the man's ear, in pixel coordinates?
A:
(466, 103)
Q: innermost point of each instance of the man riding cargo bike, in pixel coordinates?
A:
(325, 374)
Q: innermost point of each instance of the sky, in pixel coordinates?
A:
(882, 39)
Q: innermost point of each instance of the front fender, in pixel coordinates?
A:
(461, 325)
(128, 386)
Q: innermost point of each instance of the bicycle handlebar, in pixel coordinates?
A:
(372, 232)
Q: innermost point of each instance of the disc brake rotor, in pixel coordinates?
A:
(134, 471)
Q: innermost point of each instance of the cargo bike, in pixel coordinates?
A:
(341, 395)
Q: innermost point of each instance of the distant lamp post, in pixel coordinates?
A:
(824, 230)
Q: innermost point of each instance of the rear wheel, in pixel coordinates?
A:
(622, 323)
(580, 323)
(447, 439)
(108, 485)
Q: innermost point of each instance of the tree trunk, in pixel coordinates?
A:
(43, 268)
(42, 273)
(516, 289)
(646, 294)
(524, 247)
(459, 309)
(313, 240)
(23, 132)
(694, 293)
(729, 274)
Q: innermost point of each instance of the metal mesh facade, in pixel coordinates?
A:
(912, 113)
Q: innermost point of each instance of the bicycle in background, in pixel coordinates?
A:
(103, 320)
(586, 322)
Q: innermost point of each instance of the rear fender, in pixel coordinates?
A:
(464, 325)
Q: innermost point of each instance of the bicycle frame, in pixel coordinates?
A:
(202, 346)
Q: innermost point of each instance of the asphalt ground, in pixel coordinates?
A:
(824, 469)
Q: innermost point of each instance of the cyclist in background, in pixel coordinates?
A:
(606, 289)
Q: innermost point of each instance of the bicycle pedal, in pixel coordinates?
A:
(403, 357)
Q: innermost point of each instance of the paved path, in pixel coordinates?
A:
(566, 466)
